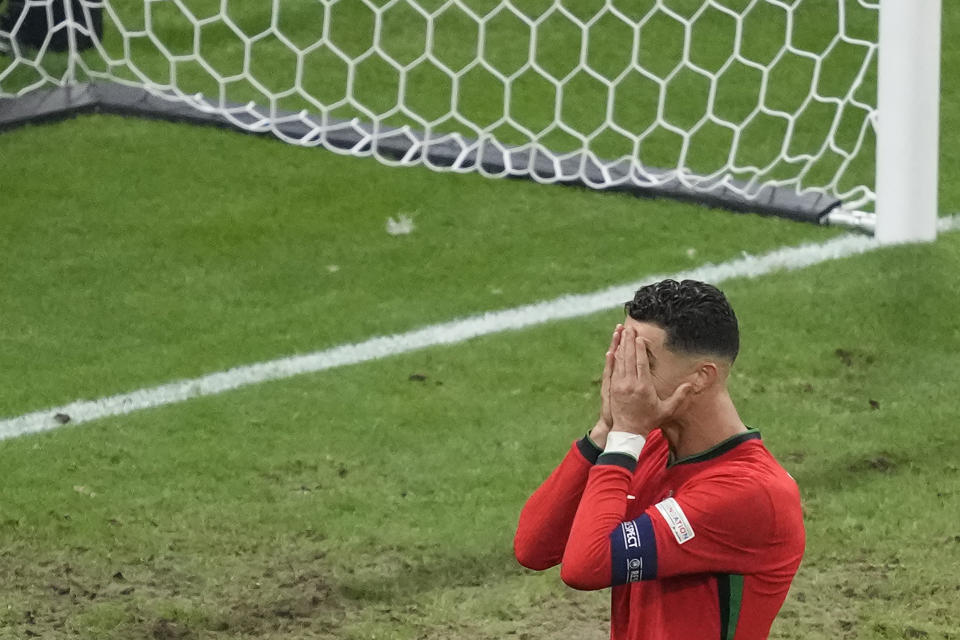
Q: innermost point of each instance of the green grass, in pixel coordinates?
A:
(361, 503)
(422, 70)
(182, 243)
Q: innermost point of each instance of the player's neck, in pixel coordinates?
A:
(704, 425)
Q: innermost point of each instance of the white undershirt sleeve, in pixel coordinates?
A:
(624, 442)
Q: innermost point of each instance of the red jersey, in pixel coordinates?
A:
(697, 548)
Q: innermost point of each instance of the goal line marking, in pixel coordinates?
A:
(452, 332)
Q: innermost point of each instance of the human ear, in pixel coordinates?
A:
(705, 376)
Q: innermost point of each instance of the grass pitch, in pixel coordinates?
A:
(202, 249)
(371, 502)
(361, 503)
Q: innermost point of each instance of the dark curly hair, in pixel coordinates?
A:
(695, 316)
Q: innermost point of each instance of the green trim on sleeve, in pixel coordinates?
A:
(730, 596)
(615, 458)
(595, 445)
(589, 449)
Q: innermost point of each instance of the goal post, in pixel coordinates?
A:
(823, 110)
(909, 116)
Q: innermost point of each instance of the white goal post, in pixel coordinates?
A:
(909, 128)
(826, 110)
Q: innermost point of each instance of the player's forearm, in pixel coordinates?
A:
(547, 516)
(587, 556)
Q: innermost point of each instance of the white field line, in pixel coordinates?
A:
(569, 306)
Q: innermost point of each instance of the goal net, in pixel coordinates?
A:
(738, 95)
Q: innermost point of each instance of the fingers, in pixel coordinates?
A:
(608, 363)
(611, 352)
(643, 364)
(672, 404)
(607, 369)
(608, 366)
(618, 367)
(629, 349)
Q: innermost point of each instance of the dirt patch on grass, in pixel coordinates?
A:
(849, 600)
(297, 594)
(55, 599)
(164, 629)
(882, 462)
(854, 357)
(564, 615)
(291, 595)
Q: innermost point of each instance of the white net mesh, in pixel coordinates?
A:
(745, 93)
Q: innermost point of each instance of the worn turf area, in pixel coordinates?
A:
(371, 502)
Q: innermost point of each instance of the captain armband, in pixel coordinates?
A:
(633, 551)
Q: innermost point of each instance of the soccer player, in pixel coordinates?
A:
(670, 499)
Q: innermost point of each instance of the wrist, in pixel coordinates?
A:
(598, 434)
(634, 428)
(624, 442)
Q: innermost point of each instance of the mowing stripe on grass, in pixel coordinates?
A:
(569, 306)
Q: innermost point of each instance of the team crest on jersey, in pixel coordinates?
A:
(677, 519)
